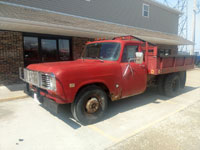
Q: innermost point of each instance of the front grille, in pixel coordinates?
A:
(45, 81)
(31, 77)
(39, 79)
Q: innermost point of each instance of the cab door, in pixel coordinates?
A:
(134, 76)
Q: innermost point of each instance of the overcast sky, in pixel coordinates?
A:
(190, 20)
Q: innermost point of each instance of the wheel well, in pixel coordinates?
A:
(101, 85)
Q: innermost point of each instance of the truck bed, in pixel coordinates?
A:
(166, 64)
(164, 61)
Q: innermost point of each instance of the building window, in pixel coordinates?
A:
(49, 50)
(31, 50)
(64, 49)
(46, 48)
(145, 10)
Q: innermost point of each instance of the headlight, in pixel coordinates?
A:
(48, 81)
(52, 82)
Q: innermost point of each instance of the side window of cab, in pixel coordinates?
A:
(129, 52)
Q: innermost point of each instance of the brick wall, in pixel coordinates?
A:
(11, 56)
(78, 45)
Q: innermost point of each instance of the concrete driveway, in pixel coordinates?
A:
(146, 121)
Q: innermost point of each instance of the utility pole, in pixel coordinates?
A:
(187, 25)
(194, 26)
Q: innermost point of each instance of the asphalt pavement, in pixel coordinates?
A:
(147, 122)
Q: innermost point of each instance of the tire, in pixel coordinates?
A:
(183, 79)
(91, 96)
(161, 80)
(172, 85)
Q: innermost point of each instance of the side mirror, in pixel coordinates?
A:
(139, 57)
(131, 59)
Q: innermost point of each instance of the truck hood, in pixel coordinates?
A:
(56, 66)
(79, 66)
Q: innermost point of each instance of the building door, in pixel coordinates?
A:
(49, 50)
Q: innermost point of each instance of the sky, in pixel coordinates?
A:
(190, 20)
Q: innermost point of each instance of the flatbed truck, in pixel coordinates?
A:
(108, 70)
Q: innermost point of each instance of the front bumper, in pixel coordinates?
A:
(50, 105)
(46, 102)
(40, 81)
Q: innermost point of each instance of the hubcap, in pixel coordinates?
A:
(92, 105)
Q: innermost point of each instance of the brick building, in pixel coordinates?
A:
(45, 31)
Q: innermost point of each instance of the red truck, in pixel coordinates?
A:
(107, 70)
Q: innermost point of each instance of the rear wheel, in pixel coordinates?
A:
(182, 79)
(161, 81)
(172, 85)
(90, 105)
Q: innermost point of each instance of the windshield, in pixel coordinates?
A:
(103, 51)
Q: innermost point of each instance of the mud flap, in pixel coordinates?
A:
(50, 105)
(46, 103)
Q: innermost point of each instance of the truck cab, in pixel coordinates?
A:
(129, 77)
(107, 70)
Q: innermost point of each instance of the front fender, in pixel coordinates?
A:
(109, 85)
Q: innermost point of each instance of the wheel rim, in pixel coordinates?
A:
(92, 105)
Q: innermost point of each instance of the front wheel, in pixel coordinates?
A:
(90, 105)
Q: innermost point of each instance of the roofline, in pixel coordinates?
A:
(80, 17)
(108, 33)
(156, 3)
(20, 23)
(36, 23)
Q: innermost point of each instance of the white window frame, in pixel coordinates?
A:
(145, 10)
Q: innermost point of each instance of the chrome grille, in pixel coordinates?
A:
(39, 79)
(31, 77)
(45, 81)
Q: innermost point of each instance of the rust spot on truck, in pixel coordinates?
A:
(115, 97)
